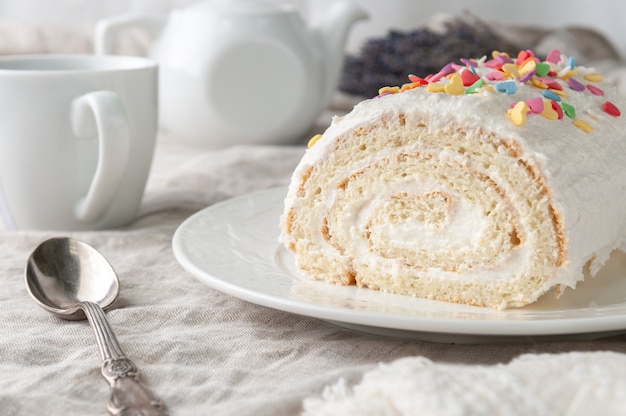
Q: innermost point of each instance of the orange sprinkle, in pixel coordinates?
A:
(495, 54)
(410, 86)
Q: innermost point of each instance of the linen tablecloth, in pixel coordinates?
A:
(206, 353)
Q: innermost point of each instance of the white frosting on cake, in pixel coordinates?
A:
(584, 171)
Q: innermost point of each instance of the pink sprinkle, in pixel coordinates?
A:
(457, 67)
(448, 69)
(494, 76)
(535, 104)
(575, 85)
(436, 77)
(554, 56)
(492, 63)
(595, 90)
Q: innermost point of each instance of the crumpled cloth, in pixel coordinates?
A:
(532, 384)
(204, 352)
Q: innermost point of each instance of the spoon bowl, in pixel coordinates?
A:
(74, 281)
(63, 272)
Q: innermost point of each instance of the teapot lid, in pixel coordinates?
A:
(239, 7)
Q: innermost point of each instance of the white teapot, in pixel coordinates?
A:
(241, 71)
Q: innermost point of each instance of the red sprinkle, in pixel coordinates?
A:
(469, 78)
(415, 78)
(610, 108)
(522, 56)
(555, 85)
(556, 107)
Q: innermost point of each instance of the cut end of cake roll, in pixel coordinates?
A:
(448, 197)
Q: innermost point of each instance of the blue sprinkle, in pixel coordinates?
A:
(551, 95)
(571, 62)
(509, 87)
(473, 70)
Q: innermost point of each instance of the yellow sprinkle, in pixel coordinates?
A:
(455, 86)
(313, 140)
(435, 87)
(583, 125)
(518, 113)
(511, 69)
(594, 77)
(567, 75)
(527, 66)
(538, 84)
(391, 90)
(549, 112)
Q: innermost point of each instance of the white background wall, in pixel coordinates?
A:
(606, 16)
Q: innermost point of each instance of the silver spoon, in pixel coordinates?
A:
(74, 281)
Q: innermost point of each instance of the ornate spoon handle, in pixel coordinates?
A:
(129, 396)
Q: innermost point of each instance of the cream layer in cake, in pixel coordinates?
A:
(487, 193)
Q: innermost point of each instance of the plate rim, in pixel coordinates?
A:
(492, 328)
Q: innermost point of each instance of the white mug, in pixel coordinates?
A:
(77, 137)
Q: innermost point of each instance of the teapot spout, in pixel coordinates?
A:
(334, 33)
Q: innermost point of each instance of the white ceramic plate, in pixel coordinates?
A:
(233, 247)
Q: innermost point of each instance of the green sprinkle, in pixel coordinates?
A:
(472, 88)
(569, 110)
(542, 69)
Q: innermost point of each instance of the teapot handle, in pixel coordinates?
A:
(107, 29)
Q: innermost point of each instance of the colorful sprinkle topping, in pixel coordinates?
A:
(518, 113)
(610, 108)
(553, 79)
(583, 125)
(313, 140)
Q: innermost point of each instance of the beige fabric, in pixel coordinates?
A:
(204, 352)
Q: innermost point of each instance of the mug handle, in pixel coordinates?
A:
(102, 113)
(107, 29)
